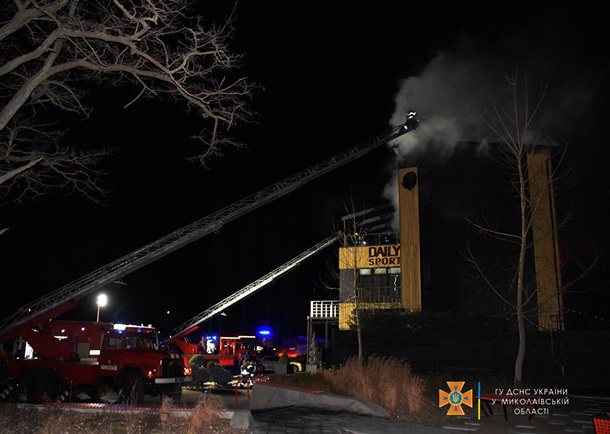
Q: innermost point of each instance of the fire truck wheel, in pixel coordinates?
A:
(54, 386)
(32, 385)
(131, 390)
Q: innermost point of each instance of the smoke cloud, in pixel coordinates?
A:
(449, 97)
(446, 96)
(453, 92)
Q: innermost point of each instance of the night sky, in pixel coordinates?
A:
(335, 74)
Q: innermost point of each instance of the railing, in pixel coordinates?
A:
(375, 296)
(324, 309)
(376, 239)
(379, 295)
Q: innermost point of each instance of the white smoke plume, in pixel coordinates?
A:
(452, 93)
(449, 97)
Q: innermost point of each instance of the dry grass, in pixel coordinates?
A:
(388, 382)
(205, 418)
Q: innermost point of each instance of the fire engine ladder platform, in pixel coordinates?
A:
(246, 291)
(66, 297)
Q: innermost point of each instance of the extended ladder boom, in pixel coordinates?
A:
(247, 291)
(68, 294)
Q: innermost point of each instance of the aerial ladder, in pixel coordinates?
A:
(66, 298)
(179, 334)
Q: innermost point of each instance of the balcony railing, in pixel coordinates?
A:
(324, 309)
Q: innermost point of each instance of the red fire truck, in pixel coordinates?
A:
(226, 351)
(67, 358)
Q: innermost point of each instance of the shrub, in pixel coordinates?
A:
(215, 373)
(432, 322)
(220, 375)
(387, 382)
(284, 357)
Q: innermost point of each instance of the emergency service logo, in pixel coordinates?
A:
(455, 398)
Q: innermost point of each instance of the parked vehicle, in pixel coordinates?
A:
(69, 357)
(227, 351)
(269, 363)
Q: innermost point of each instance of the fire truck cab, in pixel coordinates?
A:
(70, 357)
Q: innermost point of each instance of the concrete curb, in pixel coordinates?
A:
(241, 419)
(267, 396)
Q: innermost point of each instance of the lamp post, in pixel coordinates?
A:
(101, 301)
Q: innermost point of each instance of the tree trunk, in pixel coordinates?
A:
(521, 273)
(359, 332)
(521, 351)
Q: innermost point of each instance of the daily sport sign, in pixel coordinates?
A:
(384, 256)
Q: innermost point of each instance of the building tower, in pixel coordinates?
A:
(546, 251)
(410, 249)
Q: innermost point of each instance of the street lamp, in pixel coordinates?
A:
(101, 301)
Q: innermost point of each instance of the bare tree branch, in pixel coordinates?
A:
(57, 167)
(54, 51)
(515, 126)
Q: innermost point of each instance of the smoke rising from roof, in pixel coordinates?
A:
(449, 97)
(446, 96)
(454, 91)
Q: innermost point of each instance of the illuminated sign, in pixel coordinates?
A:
(387, 255)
